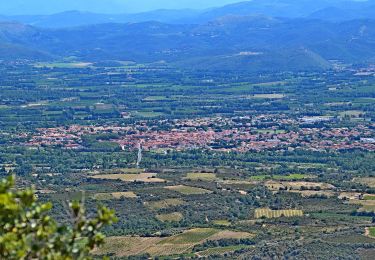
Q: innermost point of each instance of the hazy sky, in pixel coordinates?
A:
(175, 4)
(102, 6)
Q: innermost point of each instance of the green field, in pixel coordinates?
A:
(195, 176)
(369, 197)
(366, 205)
(372, 232)
(188, 190)
(260, 177)
(224, 223)
(192, 236)
(115, 195)
(295, 176)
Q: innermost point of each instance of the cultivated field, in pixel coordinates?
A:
(371, 232)
(163, 204)
(223, 222)
(126, 246)
(312, 193)
(225, 234)
(192, 236)
(115, 195)
(188, 190)
(195, 176)
(351, 113)
(68, 65)
(127, 170)
(269, 96)
(367, 205)
(171, 217)
(350, 195)
(181, 243)
(239, 182)
(142, 177)
(221, 250)
(297, 185)
(369, 197)
(268, 213)
(289, 177)
(369, 181)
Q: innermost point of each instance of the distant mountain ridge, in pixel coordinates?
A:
(331, 10)
(252, 43)
(77, 18)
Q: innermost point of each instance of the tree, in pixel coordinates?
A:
(28, 232)
(3, 171)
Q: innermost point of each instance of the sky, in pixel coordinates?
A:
(140, 5)
(12, 7)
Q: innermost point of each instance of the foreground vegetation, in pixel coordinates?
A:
(28, 232)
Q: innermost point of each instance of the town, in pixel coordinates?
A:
(238, 134)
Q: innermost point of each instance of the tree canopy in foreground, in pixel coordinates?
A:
(27, 231)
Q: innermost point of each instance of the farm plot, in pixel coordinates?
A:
(367, 205)
(269, 213)
(269, 96)
(312, 193)
(188, 190)
(148, 114)
(225, 234)
(126, 246)
(298, 185)
(352, 113)
(260, 177)
(197, 176)
(369, 197)
(169, 249)
(142, 177)
(174, 245)
(369, 181)
(115, 195)
(163, 204)
(350, 196)
(356, 196)
(222, 222)
(191, 236)
(289, 177)
(128, 170)
(181, 243)
(172, 217)
(295, 176)
(371, 232)
(65, 65)
(221, 250)
(239, 182)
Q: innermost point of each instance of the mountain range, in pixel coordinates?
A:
(227, 38)
(331, 10)
(231, 41)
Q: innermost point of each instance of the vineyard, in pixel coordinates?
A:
(268, 213)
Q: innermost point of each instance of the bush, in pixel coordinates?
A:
(28, 232)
